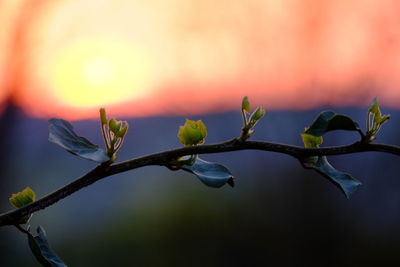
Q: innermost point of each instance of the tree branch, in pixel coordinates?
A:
(164, 158)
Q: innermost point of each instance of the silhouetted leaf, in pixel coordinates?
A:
(330, 121)
(62, 133)
(41, 249)
(211, 174)
(344, 181)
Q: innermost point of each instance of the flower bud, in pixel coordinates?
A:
(192, 133)
(22, 198)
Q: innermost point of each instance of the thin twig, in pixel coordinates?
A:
(164, 158)
(20, 228)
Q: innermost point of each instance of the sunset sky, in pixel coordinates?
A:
(142, 58)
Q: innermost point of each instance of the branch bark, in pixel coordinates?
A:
(165, 157)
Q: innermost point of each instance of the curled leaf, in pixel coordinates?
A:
(62, 133)
(344, 181)
(330, 121)
(211, 174)
(42, 251)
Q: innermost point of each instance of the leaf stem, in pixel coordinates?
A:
(105, 137)
(20, 228)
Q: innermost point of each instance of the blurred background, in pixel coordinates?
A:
(155, 63)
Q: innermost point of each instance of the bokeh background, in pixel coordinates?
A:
(158, 62)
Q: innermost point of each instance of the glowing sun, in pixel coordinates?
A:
(94, 73)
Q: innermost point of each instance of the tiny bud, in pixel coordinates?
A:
(192, 133)
(311, 141)
(103, 117)
(384, 119)
(374, 107)
(258, 114)
(121, 133)
(114, 125)
(22, 198)
(246, 104)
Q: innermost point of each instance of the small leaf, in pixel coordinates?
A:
(374, 121)
(114, 125)
(41, 249)
(330, 121)
(192, 133)
(121, 133)
(257, 115)
(384, 119)
(103, 116)
(246, 104)
(62, 133)
(311, 141)
(211, 174)
(374, 108)
(344, 181)
(22, 198)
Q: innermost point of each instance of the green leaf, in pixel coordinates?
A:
(103, 116)
(344, 181)
(211, 174)
(62, 133)
(374, 108)
(377, 114)
(311, 141)
(246, 104)
(330, 121)
(192, 133)
(41, 250)
(22, 198)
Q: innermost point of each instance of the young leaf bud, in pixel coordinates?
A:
(121, 133)
(103, 116)
(246, 104)
(384, 119)
(22, 198)
(258, 114)
(311, 141)
(114, 125)
(374, 108)
(192, 133)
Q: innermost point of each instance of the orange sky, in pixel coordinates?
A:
(140, 58)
